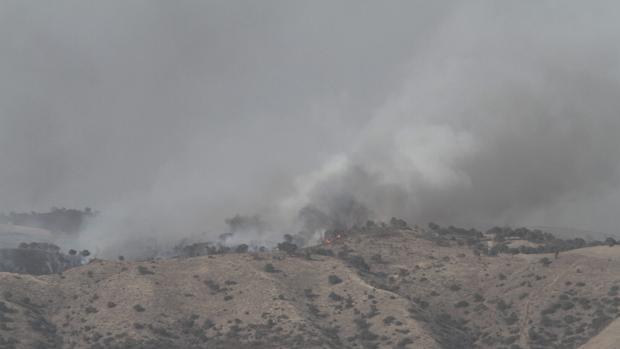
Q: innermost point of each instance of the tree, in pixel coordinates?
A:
(287, 247)
(611, 242)
(243, 248)
(399, 224)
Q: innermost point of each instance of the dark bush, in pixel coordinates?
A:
(335, 297)
(213, 286)
(545, 261)
(399, 224)
(512, 319)
(333, 279)
(502, 306)
(287, 247)
(462, 304)
(322, 252)
(454, 287)
(269, 268)
(358, 262)
(243, 248)
(144, 270)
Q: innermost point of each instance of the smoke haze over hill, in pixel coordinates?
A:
(171, 117)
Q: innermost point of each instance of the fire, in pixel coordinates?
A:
(332, 239)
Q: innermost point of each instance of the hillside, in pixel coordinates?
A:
(389, 290)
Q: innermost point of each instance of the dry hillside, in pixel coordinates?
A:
(388, 290)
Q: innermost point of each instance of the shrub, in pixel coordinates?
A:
(5, 309)
(313, 309)
(333, 280)
(269, 268)
(323, 252)
(567, 305)
(377, 258)
(512, 319)
(144, 270)
(545, 261)
(309, 294)
(404, 343)
(335, 297)
(213, 286)
(399, 224)
(389, 320)
(287, 247)
(461, 304)
(455, 287)
(243, 248)
(358, 262)
(501, 305)
(139, 308)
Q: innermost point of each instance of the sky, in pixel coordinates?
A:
(169, 117)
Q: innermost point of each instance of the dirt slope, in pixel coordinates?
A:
(376, 291)
(226, 301)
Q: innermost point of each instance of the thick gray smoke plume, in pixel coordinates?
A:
(171, 117)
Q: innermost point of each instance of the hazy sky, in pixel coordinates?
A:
(170, 115)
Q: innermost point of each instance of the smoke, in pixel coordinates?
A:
(169, 119)
(505, 118)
